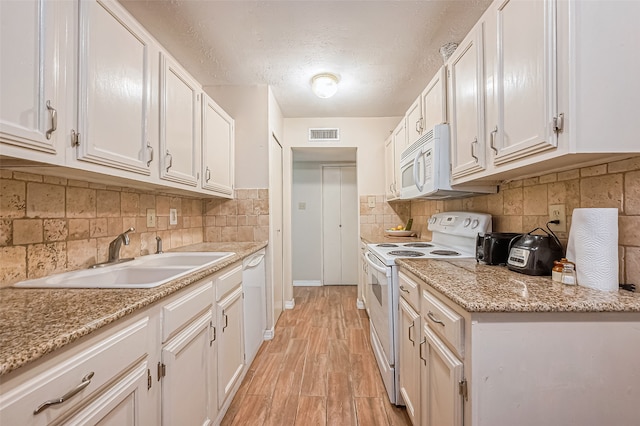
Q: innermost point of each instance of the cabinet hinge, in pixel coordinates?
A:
(162, 370)
(149, 379)
(75, 138)
(558, 123)
(462, 389)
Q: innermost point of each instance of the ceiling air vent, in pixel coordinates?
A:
(323, 135)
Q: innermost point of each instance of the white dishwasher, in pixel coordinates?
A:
(255, 319)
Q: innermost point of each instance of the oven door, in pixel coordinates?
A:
(379, 283)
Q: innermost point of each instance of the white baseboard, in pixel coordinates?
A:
(307, 283)
(360, 304)
(290, 304)
(268, 334)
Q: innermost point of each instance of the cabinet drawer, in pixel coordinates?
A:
(227, 281)
(444, 321)
(409, 290)
(177, 314)
(77, 377)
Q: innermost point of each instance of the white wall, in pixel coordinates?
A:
(248, 105)
(306, 225)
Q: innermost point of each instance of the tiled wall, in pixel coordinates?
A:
(245, 218)
(522, 205)
(50, 225)
(374, 220)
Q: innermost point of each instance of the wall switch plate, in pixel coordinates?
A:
(371, 202)
(302, 205)
(173, 216)
(151, 218)
(557, 212)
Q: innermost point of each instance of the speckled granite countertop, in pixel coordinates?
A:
(484, 288)
(35, 322)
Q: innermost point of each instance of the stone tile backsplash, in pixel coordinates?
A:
(522, 205)
(50, 225)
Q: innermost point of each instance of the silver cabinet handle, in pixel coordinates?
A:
(473, 151)
(54, 120)
(424, 360)
(413, 324)
(150, 151)
(86, 381)
(226, 321)
(493, 140)
(434, 319)
(170, 160)
(404, 289)
(207, 174)
(211, 327)
(419, 127)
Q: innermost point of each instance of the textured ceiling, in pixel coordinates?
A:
(384, 52)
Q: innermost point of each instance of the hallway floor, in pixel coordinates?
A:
(318, 370)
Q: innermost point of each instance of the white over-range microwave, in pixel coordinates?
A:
(425, 169)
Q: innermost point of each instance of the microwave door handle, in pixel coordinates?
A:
(367, 255)
(416, 171)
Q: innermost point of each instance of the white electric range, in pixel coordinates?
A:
(453, 237)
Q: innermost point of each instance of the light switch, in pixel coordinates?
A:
(151, 218)
(302, 206)
(371, 202)
(173, 216)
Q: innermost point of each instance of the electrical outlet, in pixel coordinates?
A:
(371, 202)
(557, 212)
(173, 216)
(151, 218)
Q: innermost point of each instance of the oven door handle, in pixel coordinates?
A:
(373, 265)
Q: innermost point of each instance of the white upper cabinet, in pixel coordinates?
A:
(414, 122)
(32, 78)
(466, 104)
(179, 123)
(521, 78)
(114, 88)
(217, 148)
(434, 101)
(390, 169)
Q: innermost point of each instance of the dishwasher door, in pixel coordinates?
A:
(255, 309)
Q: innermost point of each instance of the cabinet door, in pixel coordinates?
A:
(114, 88)
(415, 121)
(466, 105)
(217, 148)
(434, 101)
(399, 145)
(185, 386)
(441, 374)
(409, 331)
(32, 46)
(125, 403)
(230, 343)
(524, 79)
(179, 123)
(390, 169)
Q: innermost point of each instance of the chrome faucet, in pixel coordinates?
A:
(114, 246)
(159, 245)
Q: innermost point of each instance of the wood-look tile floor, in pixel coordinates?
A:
(318, 370)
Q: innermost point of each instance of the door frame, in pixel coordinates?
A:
(271, 265)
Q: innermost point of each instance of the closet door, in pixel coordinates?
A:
(339, 225)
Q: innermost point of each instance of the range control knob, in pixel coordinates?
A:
(466, 222)
(475, 223)
(432, 220)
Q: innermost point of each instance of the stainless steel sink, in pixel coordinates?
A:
(143, 272)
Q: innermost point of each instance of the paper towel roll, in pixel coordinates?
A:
(593, 247)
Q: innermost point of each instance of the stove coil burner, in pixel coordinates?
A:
(418, 245)
(445, 252)
(405, 253)
(387, 245)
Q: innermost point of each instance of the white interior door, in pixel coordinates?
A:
(275, 206)
(339, 225)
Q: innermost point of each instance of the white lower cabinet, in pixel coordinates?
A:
(516, 368)
(230, 322)
(102, 380)
(164, 365)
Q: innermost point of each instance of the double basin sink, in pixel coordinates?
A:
(143, 272)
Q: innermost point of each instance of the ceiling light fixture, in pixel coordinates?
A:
(324, 85)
